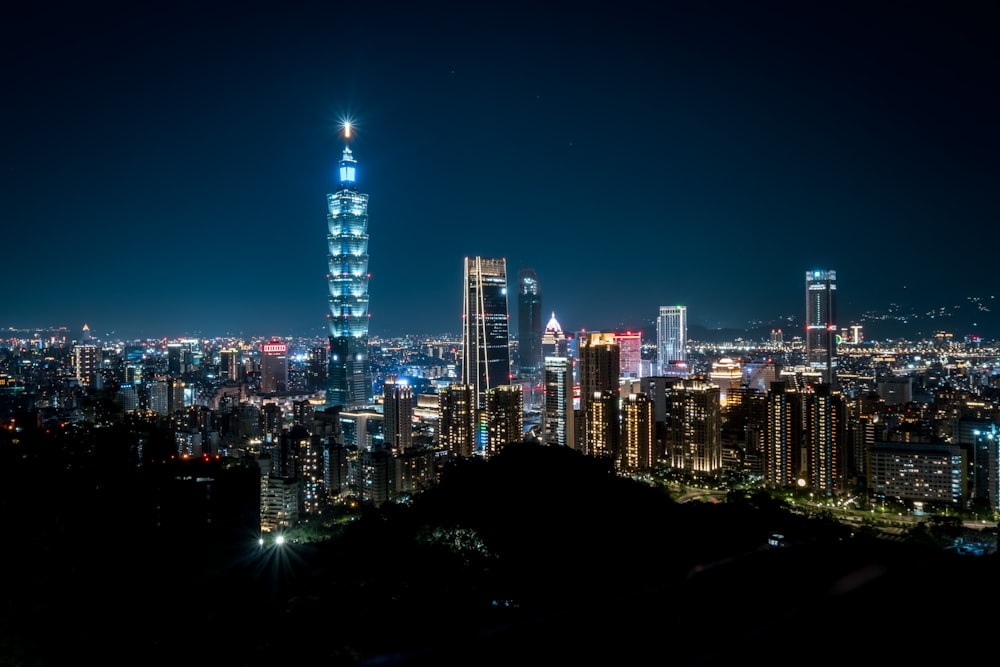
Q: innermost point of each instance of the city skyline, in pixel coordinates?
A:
(168, 169)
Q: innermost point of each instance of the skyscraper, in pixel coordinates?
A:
(630, 353)
(349, 380)
(229, 366)
(397, 406)
(529, 323)
(727, 374)
(273, 366)
(318, 365)
(86, 365)
(671, 338)
(557, 412)
(457, 420)
(825, 435)
(504, 417)
(485, 335)
(638, 433)
(694, 427)
(783, 428)
(603, 430)
(554, 343)
(821, 323)
(600, 364)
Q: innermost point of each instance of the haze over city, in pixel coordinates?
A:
(167, 164)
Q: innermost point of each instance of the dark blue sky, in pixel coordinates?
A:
(166, 165)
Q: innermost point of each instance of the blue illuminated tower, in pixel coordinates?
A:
(349, 380)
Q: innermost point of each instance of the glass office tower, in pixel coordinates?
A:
(529, 323)
(821, 327)
(485, 335)
(671, 338)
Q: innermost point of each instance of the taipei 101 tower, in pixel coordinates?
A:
(349, 377)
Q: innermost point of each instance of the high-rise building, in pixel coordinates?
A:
(279, 498)
(181, 356)
(318, 361)
(825, 435)
(760, 375)
(128, 396)
(603, 430)
(726, 373)
(821, 323)
(175, 359)
(782, 431)
(273, 366)
(671, 339)
(657, 388)
(638, 433)
(159, 397)
(504, 417)
(457, 419)
(349, 379)
(397, 407)
(336, 470)
(985, 464)
(414, 471)
(554, 343)
(599, 378)
(529, 323)
(557, 407)
(630, 353)
(86, 364)
(375, 476)
(694, 427)
(229, 365)
(485, 333)
(864, 424)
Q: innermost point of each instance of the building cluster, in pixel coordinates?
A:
(350, 418)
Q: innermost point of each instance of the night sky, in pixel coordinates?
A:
(166, 165)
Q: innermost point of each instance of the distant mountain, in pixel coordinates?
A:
(973, 317)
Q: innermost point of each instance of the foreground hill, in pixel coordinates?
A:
(539, 554)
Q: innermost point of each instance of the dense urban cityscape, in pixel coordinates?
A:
(294, 444)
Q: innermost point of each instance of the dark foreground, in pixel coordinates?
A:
(540, 555)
